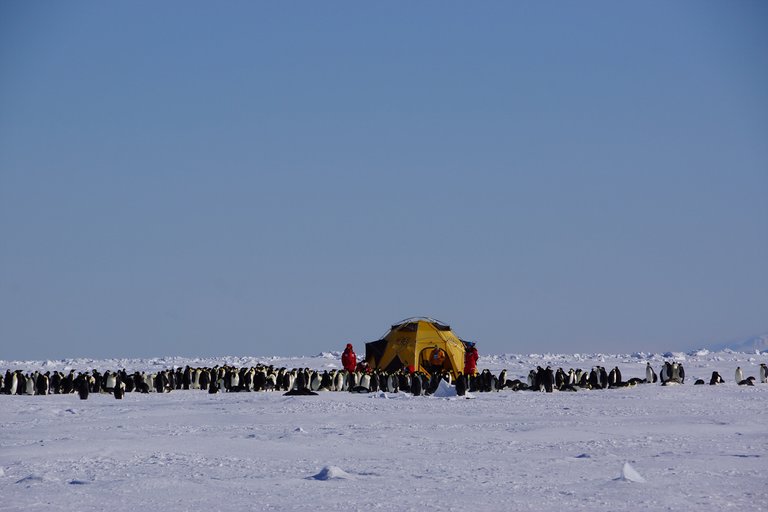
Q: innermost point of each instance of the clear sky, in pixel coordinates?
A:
(258, 178)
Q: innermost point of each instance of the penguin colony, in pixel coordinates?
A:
(303, 381)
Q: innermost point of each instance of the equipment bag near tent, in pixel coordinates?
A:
(410, 343)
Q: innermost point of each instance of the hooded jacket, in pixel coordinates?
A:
(349, 359)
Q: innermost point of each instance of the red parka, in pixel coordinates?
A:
(349, 359)
(470, 361)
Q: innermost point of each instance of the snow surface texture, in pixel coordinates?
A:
(644, 448)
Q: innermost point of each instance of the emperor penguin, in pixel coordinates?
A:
(664, 373)
(532, 379)
(285, 380)
(675, 372)
(82, 386)
(119, 389)
(393, 383)
(234, 381)
(603, 377)
(14, 383)
(763, 373)
(560, 378)
(594, 379)
(315, 381)
(270, 382)
(30, 385)
(503, 379)
(739, 374)
(383, 381)
(461, 385)
(404, 381)
(549, 380)
(338, 381)
(111, 382)
(365, 381)
(260, 380)
(416, 386)
(43, 384)
(301, 381)
(351, 381)
(749, 381)
(650, 375)
(614, 378)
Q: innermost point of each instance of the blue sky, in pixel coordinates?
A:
(262, 178)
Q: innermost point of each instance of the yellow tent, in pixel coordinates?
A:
(410, 343)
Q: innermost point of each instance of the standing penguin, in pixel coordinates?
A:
(374, 381)
(594, 379)
(603, 377)
(549, 379)
(763, 373)
(502, 379)
(532, 380)
(739, 374)
(393, 383)
(416, 385)
(675, 375)
(30, 384)
(649, 373)
(461, 385)
(13, 383)
(42, 387)
(83, 387)
(614, 378)
(119, 389)
(560, 379)
(664, 374)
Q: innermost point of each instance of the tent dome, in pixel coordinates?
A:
(409, 342)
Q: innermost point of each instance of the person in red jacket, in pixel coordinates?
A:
(470, 360)
(349, 359)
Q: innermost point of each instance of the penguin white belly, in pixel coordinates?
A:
(338, 382)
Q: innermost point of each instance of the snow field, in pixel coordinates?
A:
(696, 447)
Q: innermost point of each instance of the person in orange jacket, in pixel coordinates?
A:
(436, 359)
(349, 359)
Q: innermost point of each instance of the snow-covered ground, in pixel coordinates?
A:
(644, 448)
